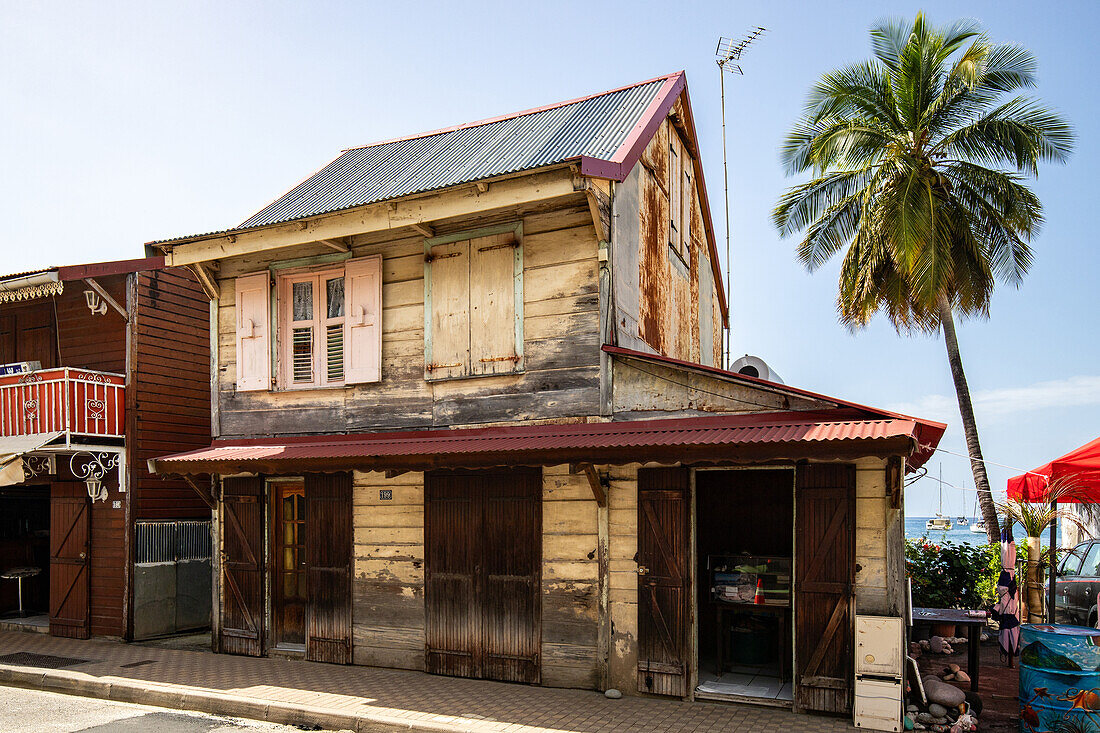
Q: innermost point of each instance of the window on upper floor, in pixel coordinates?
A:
(473, 303)
(329, 330)
(680, 170)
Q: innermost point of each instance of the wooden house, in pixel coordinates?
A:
(470, 420)
(102, 366)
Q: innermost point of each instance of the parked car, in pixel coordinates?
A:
(1078, 584)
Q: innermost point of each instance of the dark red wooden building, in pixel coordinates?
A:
(102, 366)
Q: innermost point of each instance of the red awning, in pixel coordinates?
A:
(823, 434)
(1082, 465)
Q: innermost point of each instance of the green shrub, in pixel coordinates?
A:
(949, 575)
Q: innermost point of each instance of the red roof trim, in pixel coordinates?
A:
(930, 431)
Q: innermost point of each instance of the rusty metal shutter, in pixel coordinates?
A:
(824, 578)
(242, 566)
(663, 580)
(329, 548)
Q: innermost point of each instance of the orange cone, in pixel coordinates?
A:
(759, 597)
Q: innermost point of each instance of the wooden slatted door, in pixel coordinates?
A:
(329, 543)
(483, 533)
(242, 567)
(69, 550)
(663, 581)
(824, 577)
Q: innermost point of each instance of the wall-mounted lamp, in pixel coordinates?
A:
(92, 471)
(96, 304)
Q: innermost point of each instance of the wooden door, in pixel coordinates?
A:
(36, 339)
(483, 535)
(242, 564)
(329, 544)
(7, 339)
(824, 578)
(663, 581)
(69, 550)
(289, 578)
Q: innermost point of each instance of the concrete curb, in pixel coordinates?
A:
(182, 697)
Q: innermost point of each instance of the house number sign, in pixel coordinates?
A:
(385, 494)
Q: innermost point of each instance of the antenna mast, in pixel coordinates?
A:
(728, 54)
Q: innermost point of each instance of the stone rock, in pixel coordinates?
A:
(908, 723)
(985, 637)
(924, 718)
(962, 676)
(953, 667)
(948, 677)
(911, 709)
(935, 644)
(919, 726)
(924, 643)
(915, 649)
(937, 711)
(940, 692)
(613, 694)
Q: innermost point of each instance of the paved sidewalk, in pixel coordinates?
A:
(364, 698)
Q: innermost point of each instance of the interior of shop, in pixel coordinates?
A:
(24, 553)
(744, 543)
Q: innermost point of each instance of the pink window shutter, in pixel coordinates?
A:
(253, 333)
(363, 323)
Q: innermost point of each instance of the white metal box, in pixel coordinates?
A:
(877, 705)
(879, 646)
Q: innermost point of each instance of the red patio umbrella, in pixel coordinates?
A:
(1082, 465)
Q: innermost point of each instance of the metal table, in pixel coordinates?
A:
(17, 574)
(959, 617)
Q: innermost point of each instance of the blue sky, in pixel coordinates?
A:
(126, 122)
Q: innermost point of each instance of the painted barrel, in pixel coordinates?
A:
(1059, 678)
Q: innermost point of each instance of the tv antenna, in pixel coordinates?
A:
(728, 54)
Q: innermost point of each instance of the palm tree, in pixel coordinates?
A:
(919, 157)
(1035, 517)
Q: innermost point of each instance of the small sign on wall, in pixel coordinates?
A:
(385, 494)
(116, 504)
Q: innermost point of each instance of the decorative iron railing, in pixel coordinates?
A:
(66, 400)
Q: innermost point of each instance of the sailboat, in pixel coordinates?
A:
(979, 524)
(939, 523)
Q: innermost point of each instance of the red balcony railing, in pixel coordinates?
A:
(80, 402)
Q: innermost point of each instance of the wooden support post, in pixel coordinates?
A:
(599, 489)
(335, 244)
(106, 297)
(206, 496)
(424, 229)
(206, 280)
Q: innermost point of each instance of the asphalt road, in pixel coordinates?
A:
(32, 711)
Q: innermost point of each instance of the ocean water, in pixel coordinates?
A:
(915, 529)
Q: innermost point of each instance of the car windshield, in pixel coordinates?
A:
(1072, 564)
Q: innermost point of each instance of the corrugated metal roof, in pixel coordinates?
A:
(594, 126)
(718, 437)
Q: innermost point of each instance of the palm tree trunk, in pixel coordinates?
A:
(1034, 582)
(970, 426)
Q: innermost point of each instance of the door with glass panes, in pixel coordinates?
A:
(289, 564)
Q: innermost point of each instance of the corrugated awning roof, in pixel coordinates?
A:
(749, 437)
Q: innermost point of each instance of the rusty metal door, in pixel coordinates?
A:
(69, 549)
(329, 545)
(242, 562)
(483, 537)
(824, 578)
(663, 580)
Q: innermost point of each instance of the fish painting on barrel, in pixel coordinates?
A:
(1059, 679)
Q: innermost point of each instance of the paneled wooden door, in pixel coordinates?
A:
(483, 538)
(663, 580)
(69, 549)
(289, 577)
(329, 548)
(824, 579)
(242, 567)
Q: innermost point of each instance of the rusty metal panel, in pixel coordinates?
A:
(329, 547)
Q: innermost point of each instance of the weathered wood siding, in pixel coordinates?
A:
(659, 300)
(388, 614)
(645, 390)
(880, 587)
(561, 340)
(171, 385)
